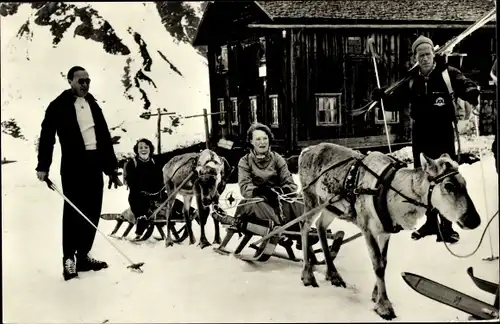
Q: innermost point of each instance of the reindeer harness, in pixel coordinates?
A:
(350, 189)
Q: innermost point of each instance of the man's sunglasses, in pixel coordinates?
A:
(82, 81)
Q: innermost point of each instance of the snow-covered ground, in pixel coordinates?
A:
(186, 284)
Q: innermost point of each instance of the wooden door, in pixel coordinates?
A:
(251, 90)
(276, 89)
(360, 81)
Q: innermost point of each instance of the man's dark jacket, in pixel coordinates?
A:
(432, 110)
(60, 118)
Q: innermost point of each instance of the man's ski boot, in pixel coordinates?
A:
(429, 228)
(88, 263)
(69, 269)
(447, 234)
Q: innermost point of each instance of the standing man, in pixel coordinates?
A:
(87, 151)
(432, 114)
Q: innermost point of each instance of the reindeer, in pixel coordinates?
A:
(211, 173)
(402, 197)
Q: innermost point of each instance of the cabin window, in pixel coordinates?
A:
(234, 105)
(354, 45)
(262, 50)
(222, 60)
(222, 110)
(328, 109)
(392, 117)
(275, 111)
(253, 109)
(262, 57)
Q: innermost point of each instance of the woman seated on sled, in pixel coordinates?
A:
(263, 173)
(145, 180)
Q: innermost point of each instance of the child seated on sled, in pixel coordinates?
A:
(144, 179)
(263, 173)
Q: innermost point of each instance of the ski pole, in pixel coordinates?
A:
(133, 266)
(371, 41)
(476, 118)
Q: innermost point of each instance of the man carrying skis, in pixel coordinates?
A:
(429, 95)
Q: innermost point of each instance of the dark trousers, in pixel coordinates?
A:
(431, 215)
(139, 204)
(433, 148)
(83, 186)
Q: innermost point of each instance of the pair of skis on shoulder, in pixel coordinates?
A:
(454, 298)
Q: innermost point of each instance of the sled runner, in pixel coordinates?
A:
(177, 223)
(266, 249)
(451, 297)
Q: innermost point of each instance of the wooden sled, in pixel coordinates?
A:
(177, 223)
(265, 250)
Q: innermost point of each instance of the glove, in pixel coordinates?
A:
(268, 194)
(474, 96)
(113, 179)
(378, 94)
(42, 175)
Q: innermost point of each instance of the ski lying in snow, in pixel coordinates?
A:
(450, 297)
(482, 284)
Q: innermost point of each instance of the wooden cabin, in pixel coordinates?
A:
(300, 66)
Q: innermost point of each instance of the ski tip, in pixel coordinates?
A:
(410, 278)
(111, 216)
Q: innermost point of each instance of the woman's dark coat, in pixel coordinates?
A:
(144, 179)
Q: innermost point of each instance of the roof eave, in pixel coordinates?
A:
(195, 42)
(264, 10)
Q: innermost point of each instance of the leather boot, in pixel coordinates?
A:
(429, 228)
(447, 233)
